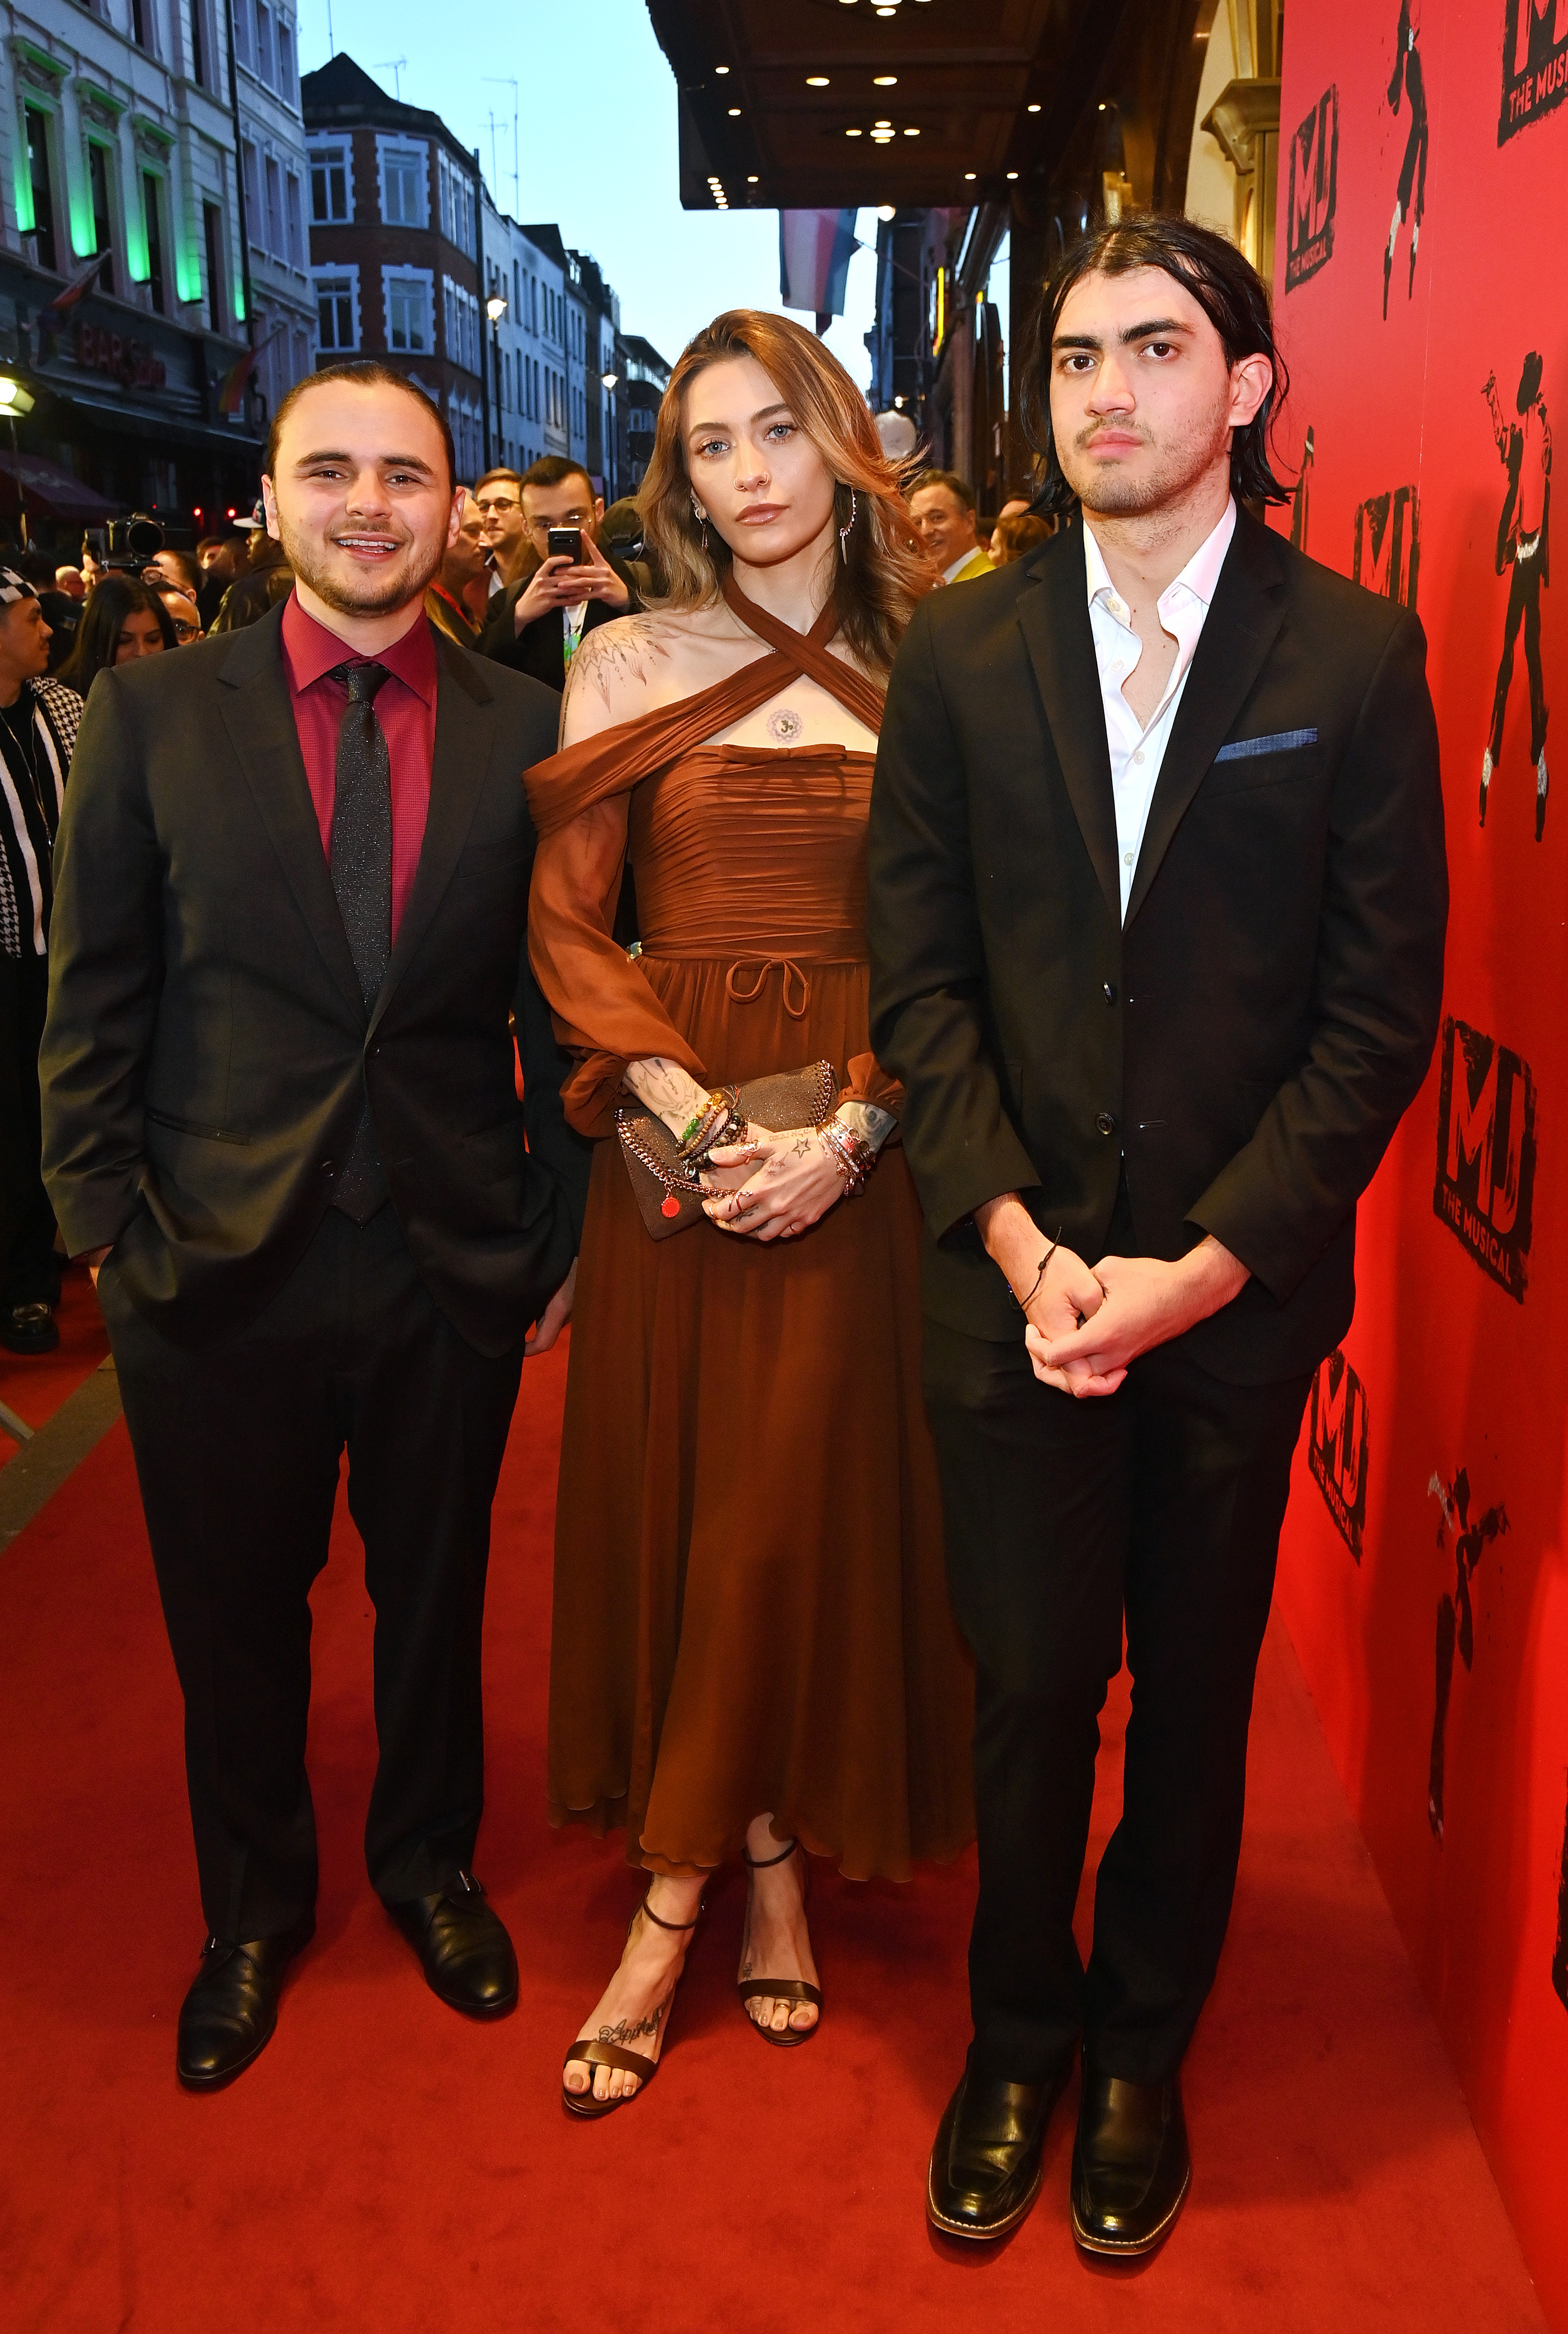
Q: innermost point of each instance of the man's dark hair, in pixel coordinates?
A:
(1232, 295)
(948, 478)
(550, 469)
(490, 476)
(187, 565)
(364, 373)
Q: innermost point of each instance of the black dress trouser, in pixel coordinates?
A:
(1163, 1503)
(238, 1448)
(29, 1266)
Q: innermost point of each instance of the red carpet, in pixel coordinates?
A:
(386, 2167)
(35, 1387)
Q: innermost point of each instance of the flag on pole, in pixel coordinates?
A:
(237, 379)
(814, 249)
(50, 318)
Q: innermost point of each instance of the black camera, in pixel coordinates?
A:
(126, 544)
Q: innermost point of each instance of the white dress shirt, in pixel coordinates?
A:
(1137, 749)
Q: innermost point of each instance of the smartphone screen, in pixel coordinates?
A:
(567, 543)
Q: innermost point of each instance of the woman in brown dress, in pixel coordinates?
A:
(753, 1648)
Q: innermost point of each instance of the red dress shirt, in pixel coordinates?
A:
(405, 708)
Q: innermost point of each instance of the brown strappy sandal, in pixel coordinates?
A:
(587, 2053)
(780, 1988)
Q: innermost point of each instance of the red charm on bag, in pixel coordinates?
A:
(669, 1205)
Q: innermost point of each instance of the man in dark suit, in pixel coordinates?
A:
(1158, 898)
(538, 623)
(280, 1121)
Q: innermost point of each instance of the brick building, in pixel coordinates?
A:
(395, 245)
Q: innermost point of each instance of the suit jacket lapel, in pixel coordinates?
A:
(464, 730)
(1244, 618)
(260, 722)
(1054, 619)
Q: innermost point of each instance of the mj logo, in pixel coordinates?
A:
(1314, 170)
(1388, 543)
(1486, 1153)
(1534, 62)
(1337, 1447)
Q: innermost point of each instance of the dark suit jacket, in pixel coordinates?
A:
(536, 649)
(207, 1051)
(1249, 1038)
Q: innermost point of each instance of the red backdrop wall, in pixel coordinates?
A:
(1423, 1576)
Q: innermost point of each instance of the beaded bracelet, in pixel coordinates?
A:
(853, 1156)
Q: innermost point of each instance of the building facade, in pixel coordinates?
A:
(521, 268)
(644, 378)
(275, 181)
(594, 374)
(395, 218)
(554, 332)
(123, 310)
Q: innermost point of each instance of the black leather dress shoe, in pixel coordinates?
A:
(467, 1956)
(986, 2161)
(227, 2018)
(1130, 2165)
(29, 1328)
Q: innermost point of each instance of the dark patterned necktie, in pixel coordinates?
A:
(360, 860)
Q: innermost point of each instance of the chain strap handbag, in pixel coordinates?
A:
(668, 1188)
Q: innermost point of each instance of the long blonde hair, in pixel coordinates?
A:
(883, 571)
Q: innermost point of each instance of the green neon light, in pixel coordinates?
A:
(186, 272)
(137, 254)
(239, 306)
(26, 219)
(83, 241)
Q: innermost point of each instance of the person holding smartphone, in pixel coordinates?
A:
(538, 624)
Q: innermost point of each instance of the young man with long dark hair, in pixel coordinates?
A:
(1157, 897)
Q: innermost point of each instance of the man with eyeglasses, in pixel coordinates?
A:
(537, 626)
(183, 613)
(503, 528)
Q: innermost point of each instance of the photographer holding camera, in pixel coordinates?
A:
(539, 621)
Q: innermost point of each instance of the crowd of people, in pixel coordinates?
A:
(960, 992)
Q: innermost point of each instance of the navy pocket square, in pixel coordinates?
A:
(1282, 741)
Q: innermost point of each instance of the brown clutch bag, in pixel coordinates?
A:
(668, 1192)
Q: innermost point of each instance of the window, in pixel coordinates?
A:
(285, 59)
(457, 198)
(140, 22)
(337, 311)
(41, 182)
(331, 183)
(265, 63)
(197, 59)
(250, 176)
(153, 211)
(244, 44)
(295, 212)
(275, 177)
(216, 307)
(405, 184)
(408, 297)
(98, 169)
(516, 295)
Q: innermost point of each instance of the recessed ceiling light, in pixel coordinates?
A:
(853, 133)
(887, 210)
(969, 174)
(883, 124)
(881, 136)
(912, 133)
(721, 69)
(1012, 174)
(884, 81)
(1034, 109)
(751, 180)
(734, 113)
(816, 81)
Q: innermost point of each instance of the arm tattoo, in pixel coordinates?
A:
(613, 656)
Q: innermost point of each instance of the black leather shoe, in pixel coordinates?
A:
(467, 1956)
(31, 1328)
(1130, 2167)
(227, 2018)
(986, 2161)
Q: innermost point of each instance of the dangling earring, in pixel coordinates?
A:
(701, 518)
(845, 531)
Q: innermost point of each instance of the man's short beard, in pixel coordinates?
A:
(382, 598)
(1108, 491)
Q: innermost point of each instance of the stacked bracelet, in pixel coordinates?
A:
(851, 1154)
(719, 1120)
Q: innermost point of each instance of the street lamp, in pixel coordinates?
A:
(496, 308)
(15, 399)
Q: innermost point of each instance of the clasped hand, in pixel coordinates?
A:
(1086, 1327)
(772, 1185)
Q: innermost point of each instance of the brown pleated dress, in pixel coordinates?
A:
(750, 1610)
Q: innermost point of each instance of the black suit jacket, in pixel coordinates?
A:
(207, 1051)
(1249, 1038)
(537, 649)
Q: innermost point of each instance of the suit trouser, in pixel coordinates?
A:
(1162, 1503)
(238, 1448)
(29, 1267)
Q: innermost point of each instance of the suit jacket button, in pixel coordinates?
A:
(1105, 1124)
(329, 1166)
(1109, 992)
